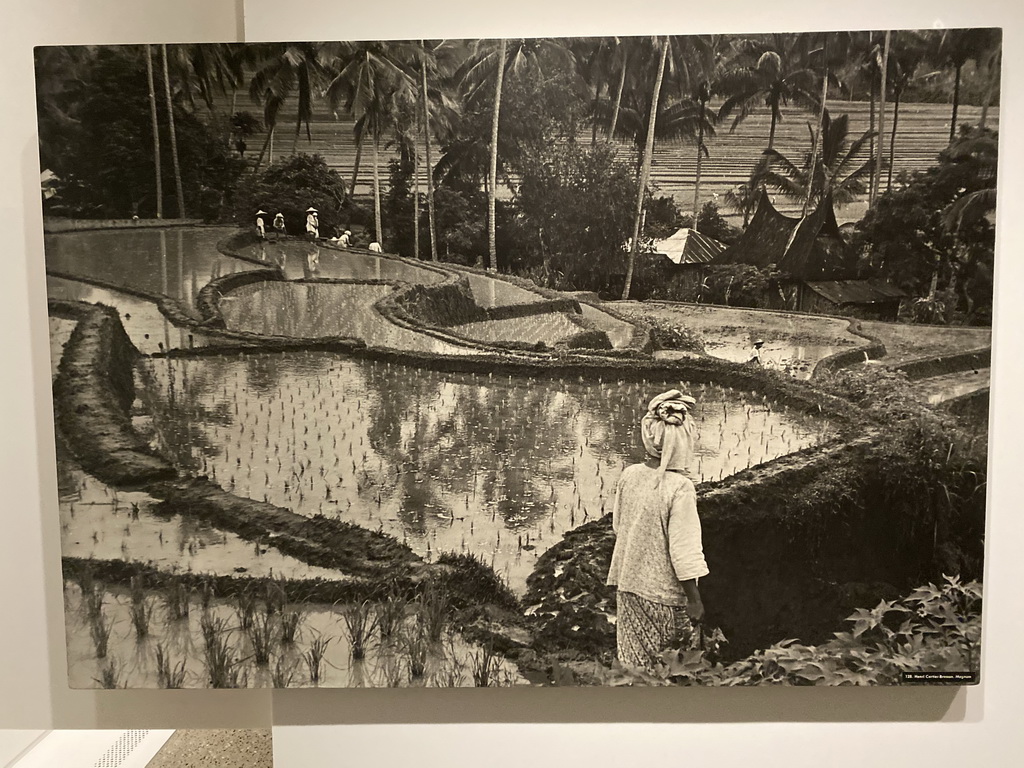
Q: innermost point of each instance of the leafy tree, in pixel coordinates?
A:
(574, 214)
(106, 166)
(290, 187)
(932, 232)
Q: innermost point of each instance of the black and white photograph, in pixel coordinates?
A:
(577, 361)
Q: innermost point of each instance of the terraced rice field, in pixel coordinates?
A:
(923, 132)
(548, 328)
(497, 466)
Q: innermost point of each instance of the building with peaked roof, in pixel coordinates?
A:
(816, 267)
(808, 248)
(688, 246)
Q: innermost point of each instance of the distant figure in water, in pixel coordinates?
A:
(658, 555)
(312, 224)
(261, 225)
(279, 224)
(374, 247)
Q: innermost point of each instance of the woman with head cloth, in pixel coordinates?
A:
(658, 553)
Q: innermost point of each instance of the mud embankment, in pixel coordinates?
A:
(793, 547)
(93, 394)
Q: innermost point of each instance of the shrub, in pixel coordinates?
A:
(291, 187)
(933, 629)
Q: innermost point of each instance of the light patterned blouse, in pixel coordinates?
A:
(657, 535)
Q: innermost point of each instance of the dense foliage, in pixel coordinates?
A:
(934, 629)
(101, 149)
(907, 236)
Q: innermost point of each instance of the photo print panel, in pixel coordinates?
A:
(578, 361)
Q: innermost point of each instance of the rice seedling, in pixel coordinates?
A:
(141, 609)
(176, 598)
(262, 636)
(416, 645)
(360, 620)
(275, 598)
(314, 658)
(169, 674)
(245, 608)
(110, 675)
(390, 616)
(485, 665)
(290, 622)
(222, 667)
(283, 673)
(100, 629)
(432, 610)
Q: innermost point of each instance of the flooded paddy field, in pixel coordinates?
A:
(497, 466)
(171, 262)
(194, 641)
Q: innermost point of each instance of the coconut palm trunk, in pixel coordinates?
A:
(990, 89)
(430, 168)
(618, 103)
(415, 202)
(645, 172)
(892, 138)
(871, 149)
(813, 174)
(882, 77)
(492, 250)
(174, 139)
(156, 134)
(355, 165)
(376, 189)
(696, 181)
(956, 103)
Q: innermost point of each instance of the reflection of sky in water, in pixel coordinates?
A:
(496, 466)
(146, 326)
(317, 310)
(100, 522)
(175, 262)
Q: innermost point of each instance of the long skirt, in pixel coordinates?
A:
(644, 628)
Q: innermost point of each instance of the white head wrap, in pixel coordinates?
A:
(667, 430)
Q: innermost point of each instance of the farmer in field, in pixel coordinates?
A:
(658, 555)
(755, 353)
(374, 247)
(279, 224)
(261, 225)
(346, 238)
(312, 223)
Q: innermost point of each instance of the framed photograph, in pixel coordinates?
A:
(598, 361)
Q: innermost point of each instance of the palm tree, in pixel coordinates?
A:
(840, 172)
(908, 50)
(957, 47)
(174, 138)
(773, 72)
(369, 74)
(156, 133)
(284, 70)
(426, 149)
(645, 170)
(490, 62)
(883, 77)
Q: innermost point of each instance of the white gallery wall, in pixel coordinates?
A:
(978, 726)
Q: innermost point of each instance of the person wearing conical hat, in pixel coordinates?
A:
(279, 224)
(755, 353)
(312, 224)
(658, 554)
(346, 239)
(261, 225)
